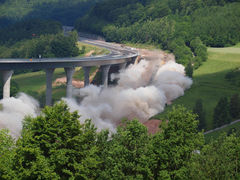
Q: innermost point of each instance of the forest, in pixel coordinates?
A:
(65, 11)
(31, 38)
(183, 27)
(35, 38)
(55, 145)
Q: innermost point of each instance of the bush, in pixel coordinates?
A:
(55, 145)
(7, 146)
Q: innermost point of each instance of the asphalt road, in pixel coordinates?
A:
(226, 125)
(118, 54)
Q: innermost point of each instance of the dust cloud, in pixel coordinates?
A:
(143, 89)
(13, 110)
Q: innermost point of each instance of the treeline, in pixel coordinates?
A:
(172, 25)
(27, 30)
(226, 111)
(37, 39)
(55, 145)
(45, 46)
(65, 11)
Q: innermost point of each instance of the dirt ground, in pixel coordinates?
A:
(75, 83)
(153, 124)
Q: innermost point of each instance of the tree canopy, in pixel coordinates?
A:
(184, 27)
(65, 11)
(55, 145)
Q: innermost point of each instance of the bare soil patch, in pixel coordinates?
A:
(76, 83)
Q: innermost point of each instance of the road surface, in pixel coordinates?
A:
(117, 55)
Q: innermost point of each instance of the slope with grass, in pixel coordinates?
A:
(34, 83)
(228, 129)
(210, 83)
(65, 11)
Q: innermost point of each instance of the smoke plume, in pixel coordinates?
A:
(13, 111)
(143, 90)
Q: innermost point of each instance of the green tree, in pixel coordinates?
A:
(189, 70)
(235, 106)
(198, 109)
(129, 153)
(199, 49)
(7, 150)
(218, 160)
(221, 113)
(55, 145)
(175, 144)
(63, 46)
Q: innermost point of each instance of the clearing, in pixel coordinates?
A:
(34, 83)
(210, 83)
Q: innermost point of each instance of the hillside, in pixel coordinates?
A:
(37, 88)
(65, 11)
(186, 28)
(210, 83)
(177, 26)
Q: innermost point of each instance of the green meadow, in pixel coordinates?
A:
(229, 129)
(34, 83)
(209, 81)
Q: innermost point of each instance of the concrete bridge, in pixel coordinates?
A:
(118, 56)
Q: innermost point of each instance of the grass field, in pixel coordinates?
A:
(209, 81)
(34, 83)
(228, 129)
(91, 48)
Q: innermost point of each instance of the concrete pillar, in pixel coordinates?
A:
(122, 66)
(69, 74)
(49, 75)
(86, 75)
(6, 83)
(105, 70)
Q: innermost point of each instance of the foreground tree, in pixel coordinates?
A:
(128, 154)
(56, 146)
(218, 160)
(175, 144)
(7, 146)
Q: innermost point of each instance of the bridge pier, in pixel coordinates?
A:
(49, 75)
(105, 70)
(122, 66)
(6, 83)
(86, 70)
(69, 74)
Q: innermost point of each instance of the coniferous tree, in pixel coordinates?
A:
(189, 70)
(221, 113)
(198, 109)
(235, 106)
